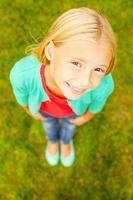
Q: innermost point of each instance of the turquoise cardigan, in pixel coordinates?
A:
(28, 89)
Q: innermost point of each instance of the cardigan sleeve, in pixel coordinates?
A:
(18, 86)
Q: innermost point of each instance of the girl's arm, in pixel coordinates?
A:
(87, 116)
(37, 116)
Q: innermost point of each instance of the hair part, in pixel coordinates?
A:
(78, 24)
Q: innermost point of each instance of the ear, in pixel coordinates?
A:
(49, 50)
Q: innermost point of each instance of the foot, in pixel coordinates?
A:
(52, 153)
(52, 148)
(67, 154)
(65, 149)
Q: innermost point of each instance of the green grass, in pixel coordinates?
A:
(104, 147)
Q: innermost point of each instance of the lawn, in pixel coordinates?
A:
(103, 169)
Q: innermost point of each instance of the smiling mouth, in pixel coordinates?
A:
(76, 90)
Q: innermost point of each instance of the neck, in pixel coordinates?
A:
(50, 82)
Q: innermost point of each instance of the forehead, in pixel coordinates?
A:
(86, 50)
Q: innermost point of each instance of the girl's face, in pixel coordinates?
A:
(77, 67)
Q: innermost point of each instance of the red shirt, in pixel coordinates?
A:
(57, 106)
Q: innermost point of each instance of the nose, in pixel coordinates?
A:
(84, 80)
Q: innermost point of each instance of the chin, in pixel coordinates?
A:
(72, 97)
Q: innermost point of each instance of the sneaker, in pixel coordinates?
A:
(67, 161)
(52, 159)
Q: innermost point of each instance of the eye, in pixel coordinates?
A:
(76, 64)
(100, 70)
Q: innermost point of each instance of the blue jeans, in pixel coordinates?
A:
(58, 128)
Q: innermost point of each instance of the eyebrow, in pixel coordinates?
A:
(82, 60)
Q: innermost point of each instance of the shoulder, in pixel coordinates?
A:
(23, 68)
(108, 82)
(105, 88)
(26, 63)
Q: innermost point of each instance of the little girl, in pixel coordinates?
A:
(67, 78)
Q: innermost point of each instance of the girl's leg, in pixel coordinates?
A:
(67, 149)
(51, 127)
(67, 130)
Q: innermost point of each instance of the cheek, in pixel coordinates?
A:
(56, 70)
(59, 75)
(66, 73)
(96, 81)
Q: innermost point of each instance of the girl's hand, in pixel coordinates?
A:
(78, 121)
(38, 117)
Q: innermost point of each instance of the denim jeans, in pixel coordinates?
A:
(58, 128)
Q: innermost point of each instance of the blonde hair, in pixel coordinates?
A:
(78, 24)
